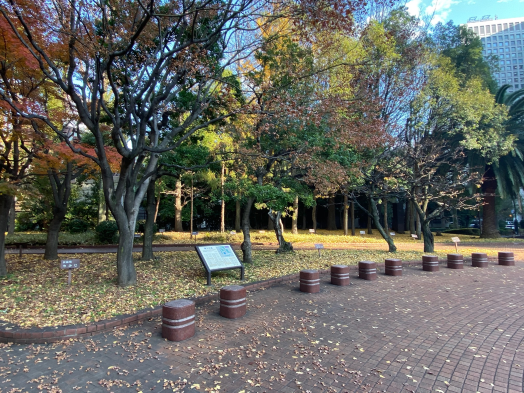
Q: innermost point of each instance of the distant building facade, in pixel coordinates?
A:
(504, 38)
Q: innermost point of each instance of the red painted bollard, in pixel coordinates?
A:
(455, 261)
(340, 275)
(367, 270)
(430, 263)
(393, 267)
(479, 259)
(178, 320)
(233, 301)
(506, 258)
(309, 281)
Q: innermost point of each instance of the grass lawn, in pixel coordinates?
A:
(267, 237)
(36, 293)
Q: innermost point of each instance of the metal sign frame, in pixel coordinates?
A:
(210, 270)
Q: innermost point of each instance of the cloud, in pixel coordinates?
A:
(503, 1)
(471, 2)
(413, 7)
(439, 10)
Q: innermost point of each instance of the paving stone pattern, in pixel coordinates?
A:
(446, 331)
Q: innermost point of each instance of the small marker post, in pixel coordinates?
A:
(195, 235)
(319, 247)
(455, 240)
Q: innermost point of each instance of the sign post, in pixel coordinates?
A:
(195, 234)
(218, 257)
(456, 240)
(415, 237)
(311, 231)
(319, 247)
(362, 233)
(69, 264)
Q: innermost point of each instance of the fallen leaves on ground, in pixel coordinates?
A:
(35, 293)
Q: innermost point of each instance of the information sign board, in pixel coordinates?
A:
(311, 231)
(362, 232)
(219, 257)
(69, 263)
(414, 236)
(319, 247)
(392, 233)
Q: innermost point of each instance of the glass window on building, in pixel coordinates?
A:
(499, 27)
(493, 28)
(482, 30)
(511, 26)
(476, 29)
(501, 44)
(511, 36)
(488, 45)
(505, 26)
(488, 30)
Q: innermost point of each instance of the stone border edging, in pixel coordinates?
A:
(18, 335)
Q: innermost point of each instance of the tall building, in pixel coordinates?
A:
(504, 38)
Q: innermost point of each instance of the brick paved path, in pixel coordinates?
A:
(446, 331)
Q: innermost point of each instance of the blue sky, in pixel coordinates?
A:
(461, 10)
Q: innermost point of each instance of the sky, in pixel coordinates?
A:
(461, 10)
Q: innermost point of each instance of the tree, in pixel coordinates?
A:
(22, 87)
(147, 72)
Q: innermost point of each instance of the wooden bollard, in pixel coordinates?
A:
(455, 261)
(309, 281)
(367, 270)
(340, 275)
(233, 301)
(178, 320)
(393, 267)
(479, 259)
(430, 263)
(506, 258)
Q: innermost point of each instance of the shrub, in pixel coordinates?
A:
(106, 232)
(77, 225)
(463, 231)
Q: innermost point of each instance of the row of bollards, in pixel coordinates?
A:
(178, 316)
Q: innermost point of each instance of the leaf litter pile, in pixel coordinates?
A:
(36, 292)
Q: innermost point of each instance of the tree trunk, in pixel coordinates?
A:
(61, 192)
(294, 226)
(51, 245)
(455, 218)
(385, 205)
(12, 216)
(5, 205)
(192, 201)
(489, 217)
(370, 228)
(346, 208)
(283, 246)
(178, 207)
(385, 234)
(157, 206)
(237, 215)
(332, 215)
(304, 219)
(222, 202)
(412, 218)
(429, 241)
(149, 228)
(314, 217)
(247, 254)
(352, 218)
(125, 265)
(270, 225)
(418, 225)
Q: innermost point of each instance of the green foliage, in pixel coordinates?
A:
(106, 232)
(77, 225)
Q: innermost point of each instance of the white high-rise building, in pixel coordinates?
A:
(504, 38)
